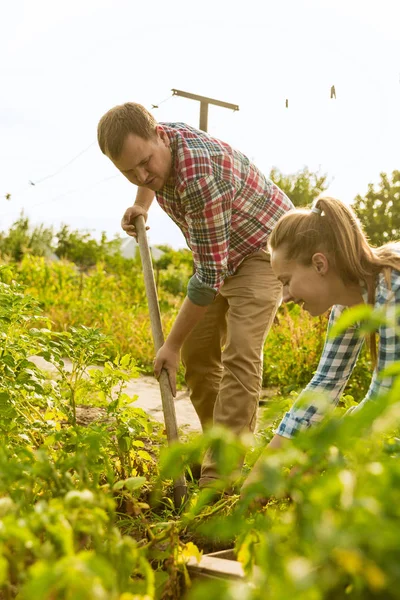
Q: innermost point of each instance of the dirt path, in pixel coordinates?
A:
(149, 398)
(147, 390)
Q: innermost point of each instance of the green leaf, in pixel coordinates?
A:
(119, 485)
(390, 371)
(3, 570)
(134, 483)
(144, 455)
(349, 318)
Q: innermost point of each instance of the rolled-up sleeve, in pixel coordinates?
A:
(207, 202)
(323, 392)
(199, 293)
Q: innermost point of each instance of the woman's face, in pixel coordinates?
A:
(314, 287)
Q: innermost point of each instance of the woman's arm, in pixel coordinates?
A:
(337, 361)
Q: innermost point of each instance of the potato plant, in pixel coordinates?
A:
(66, 489)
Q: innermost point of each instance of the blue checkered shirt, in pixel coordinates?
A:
(338, 359)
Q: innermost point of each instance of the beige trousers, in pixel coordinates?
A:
(223, 354)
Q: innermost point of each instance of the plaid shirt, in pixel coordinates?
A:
(225, 207)
(339, 357)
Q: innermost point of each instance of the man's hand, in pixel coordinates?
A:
(168, 355)
(167, 358)
(128, 220)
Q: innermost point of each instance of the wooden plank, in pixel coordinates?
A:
(212, 566)
(229, 553)
(234, 107)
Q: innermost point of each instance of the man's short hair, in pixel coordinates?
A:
(119, 122)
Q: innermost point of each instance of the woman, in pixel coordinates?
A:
(323, 259)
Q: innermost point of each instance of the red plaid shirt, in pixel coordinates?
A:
(225, 207)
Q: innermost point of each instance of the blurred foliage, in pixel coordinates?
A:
(302, 187)
(378, 210)
(80, 248)
(22, 239)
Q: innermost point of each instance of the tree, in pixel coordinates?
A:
(79, 247)
(21, 239)
(302, 187)
(379, 210)
(177, 267)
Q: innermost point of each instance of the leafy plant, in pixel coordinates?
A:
(302, 187)
(378, 209)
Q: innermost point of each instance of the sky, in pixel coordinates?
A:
(65, 63)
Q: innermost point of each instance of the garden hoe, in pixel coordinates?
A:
(171, 426)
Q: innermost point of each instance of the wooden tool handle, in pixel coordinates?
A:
(168, 405)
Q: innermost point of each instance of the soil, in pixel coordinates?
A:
(148, 397)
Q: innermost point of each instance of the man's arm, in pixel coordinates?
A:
(208, 211)
(144, 198)
(208, 203)
(168, 355)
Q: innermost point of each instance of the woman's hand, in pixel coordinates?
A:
(254, 477)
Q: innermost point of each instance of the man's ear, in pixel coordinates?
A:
(162, 135)
(320, 263)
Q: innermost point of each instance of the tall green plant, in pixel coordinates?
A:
(301, 187)
(378, 210)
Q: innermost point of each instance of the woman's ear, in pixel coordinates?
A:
(320, 263)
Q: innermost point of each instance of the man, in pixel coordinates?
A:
(226, 210)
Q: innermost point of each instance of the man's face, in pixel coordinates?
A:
(146, 163)
(312, 287)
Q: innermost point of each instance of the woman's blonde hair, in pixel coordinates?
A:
(332, 228)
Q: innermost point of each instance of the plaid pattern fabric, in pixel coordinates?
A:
(225, 207)
(338, 359)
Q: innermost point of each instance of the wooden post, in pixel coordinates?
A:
(204, 102)
(203, 116)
